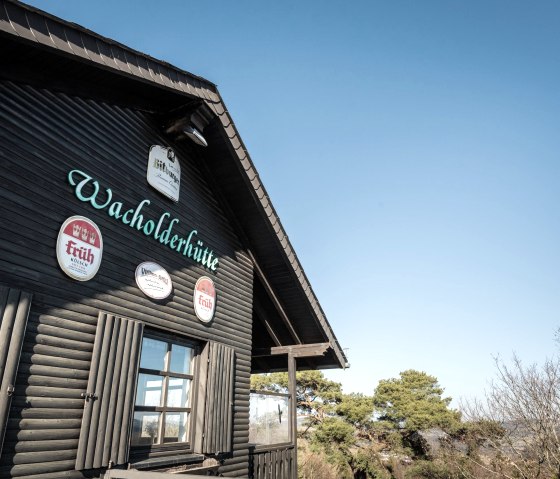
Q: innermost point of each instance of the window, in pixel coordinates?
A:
(269, 418)
(162, 412)
(176, 380)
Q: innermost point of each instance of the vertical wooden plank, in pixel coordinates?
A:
(229, 399)
(211, 401)
(128, 405)
(15, 314)
(100, 382)
(200, 401)
(208, 398)
(268, 460)
(115, 387)
(114, 451)
(105, 396)
(92, 381)
(218, 410)
(263, 465)
(7, 316)
(256, 466)
(291, 459)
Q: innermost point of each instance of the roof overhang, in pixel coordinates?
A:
(45, 51)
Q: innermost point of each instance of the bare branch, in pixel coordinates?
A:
(525, 401)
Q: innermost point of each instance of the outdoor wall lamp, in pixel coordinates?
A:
(189, 121)
(195, 135)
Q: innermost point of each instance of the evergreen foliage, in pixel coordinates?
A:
(414, 401)
(356, 408)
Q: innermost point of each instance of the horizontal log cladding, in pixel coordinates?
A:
(17, 435)
(41, 143)
(36, 446)
(30, 471)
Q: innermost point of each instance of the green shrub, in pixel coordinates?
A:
(431, 470)
(366, 465)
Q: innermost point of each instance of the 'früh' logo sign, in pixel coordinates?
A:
(79, 248)
(204, 299)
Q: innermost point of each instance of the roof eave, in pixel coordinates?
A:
(31, 25)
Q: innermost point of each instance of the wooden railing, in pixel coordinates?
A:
(273, 462)
(131, 474)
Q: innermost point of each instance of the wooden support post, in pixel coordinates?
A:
(293, 409)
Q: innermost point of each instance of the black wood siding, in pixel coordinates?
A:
(44, 135)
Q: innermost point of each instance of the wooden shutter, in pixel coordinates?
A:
(215, 402)
(108, 409)
(14, 311)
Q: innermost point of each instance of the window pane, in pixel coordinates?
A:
(180, 359)
(149, 390)
(176, 427)
(178, 392)
(269, 419)
(145, 429)
(153, 354)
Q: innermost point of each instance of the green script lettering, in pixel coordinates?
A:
(87, 190)
(115, 210)
(92, 197)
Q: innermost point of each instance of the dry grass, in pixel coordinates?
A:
(314, 465)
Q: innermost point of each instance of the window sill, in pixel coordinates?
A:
(177, 460)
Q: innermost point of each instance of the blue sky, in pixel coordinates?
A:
(411, 150)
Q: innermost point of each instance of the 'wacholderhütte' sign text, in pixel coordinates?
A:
(87, 190)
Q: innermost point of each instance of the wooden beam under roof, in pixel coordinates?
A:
(273, 298)
(296, 350)
(261, 316)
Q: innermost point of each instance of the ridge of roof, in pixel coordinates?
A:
(35, 25)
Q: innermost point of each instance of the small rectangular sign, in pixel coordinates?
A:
(164, 171)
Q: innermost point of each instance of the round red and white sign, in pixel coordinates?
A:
(79, 248)
(153, 280)
(204, 299)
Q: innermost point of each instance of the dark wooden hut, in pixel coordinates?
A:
(103, 370)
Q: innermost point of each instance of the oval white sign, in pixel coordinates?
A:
(204, 299)
(153, 280)
(79, 248)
